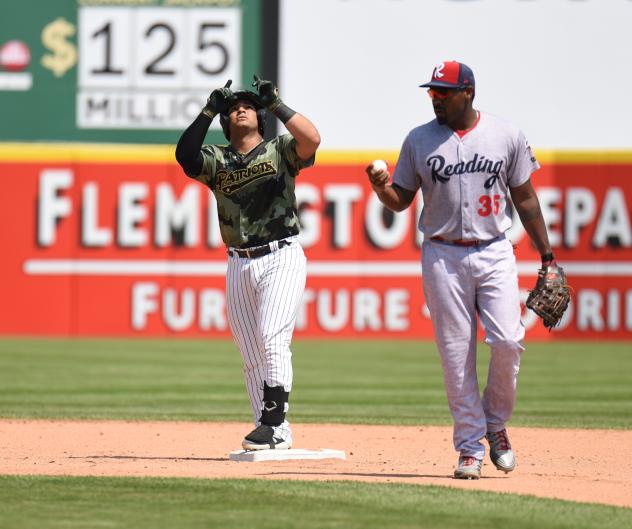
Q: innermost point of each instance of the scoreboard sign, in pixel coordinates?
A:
(145, 68)
(121, 71)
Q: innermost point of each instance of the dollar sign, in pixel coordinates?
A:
(64, 54)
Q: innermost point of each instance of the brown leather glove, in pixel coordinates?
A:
(551, 295)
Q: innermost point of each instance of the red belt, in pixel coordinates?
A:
(461, 242)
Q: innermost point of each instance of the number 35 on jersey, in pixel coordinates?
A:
(489, 205)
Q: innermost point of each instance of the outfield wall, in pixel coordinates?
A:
(102, 239)
(116, 241)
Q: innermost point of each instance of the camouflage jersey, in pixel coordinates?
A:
(255, 196)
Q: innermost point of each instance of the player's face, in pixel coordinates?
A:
(450, 105)
(243, 115)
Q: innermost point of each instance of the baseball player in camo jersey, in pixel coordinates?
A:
(467, 164)
(253, 182)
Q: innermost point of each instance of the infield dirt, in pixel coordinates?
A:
(580, 465)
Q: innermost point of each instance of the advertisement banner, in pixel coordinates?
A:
(132, 248)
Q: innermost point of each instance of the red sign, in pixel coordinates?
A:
(125, 249)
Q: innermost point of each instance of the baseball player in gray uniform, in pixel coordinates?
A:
(253, 182)
(467, 164)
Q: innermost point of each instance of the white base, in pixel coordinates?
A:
(283, 455)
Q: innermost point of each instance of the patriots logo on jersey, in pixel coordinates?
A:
(230, 181)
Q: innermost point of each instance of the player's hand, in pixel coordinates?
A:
(378, 176)
(219, 101)
(268, 93)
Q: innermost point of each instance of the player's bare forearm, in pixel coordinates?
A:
(306, 135)
(533, 223)
(528, 207)
(394, 198)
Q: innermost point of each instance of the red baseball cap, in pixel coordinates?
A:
(451, 74)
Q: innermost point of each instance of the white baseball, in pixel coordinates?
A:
(379, 166)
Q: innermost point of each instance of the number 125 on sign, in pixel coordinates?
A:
(168, 48)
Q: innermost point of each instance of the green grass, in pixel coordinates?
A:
(384, 382)
(62, 503)
(582, 384)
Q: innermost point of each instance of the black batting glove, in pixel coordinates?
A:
(269, 97)
(219, 101)
(268, 93)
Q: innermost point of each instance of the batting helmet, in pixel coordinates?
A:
(251, 97)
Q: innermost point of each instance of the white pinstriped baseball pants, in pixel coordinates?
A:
(262, 298)
(459, 283)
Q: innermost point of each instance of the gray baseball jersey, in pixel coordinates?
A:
(465, 180)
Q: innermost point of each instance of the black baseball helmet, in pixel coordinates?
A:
(246, 95)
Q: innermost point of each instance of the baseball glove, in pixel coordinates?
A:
(551, 295)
